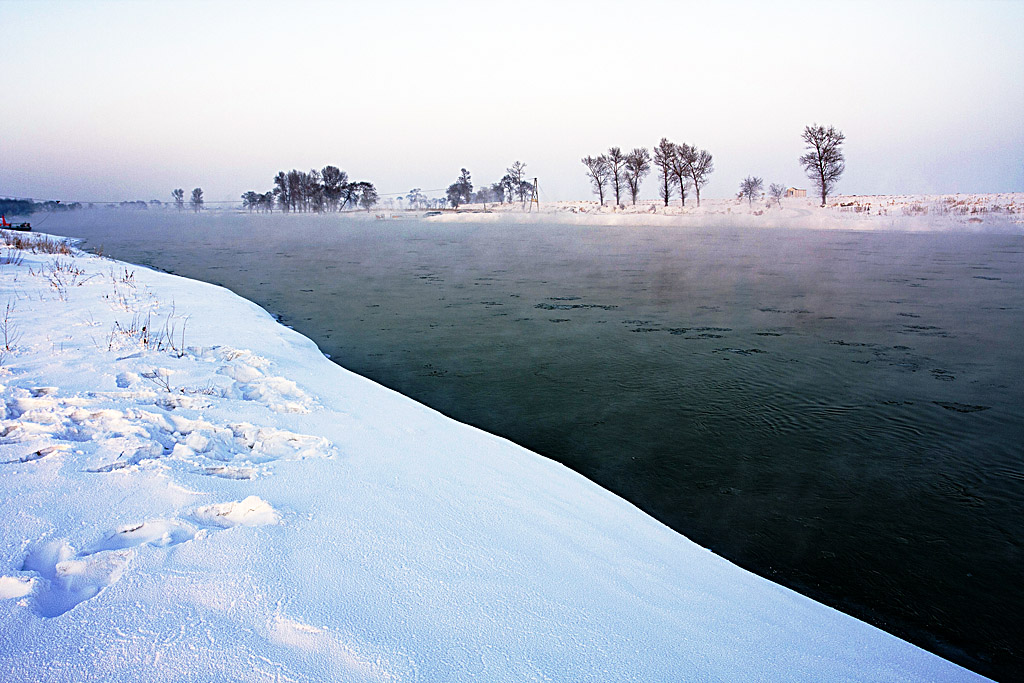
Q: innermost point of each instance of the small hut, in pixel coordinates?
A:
(796, 192)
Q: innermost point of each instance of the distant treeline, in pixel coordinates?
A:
(24, 207)
(328, 189)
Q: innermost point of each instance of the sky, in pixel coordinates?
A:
(111, 101)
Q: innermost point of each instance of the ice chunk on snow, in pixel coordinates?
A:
(253, 511)
(15, 586)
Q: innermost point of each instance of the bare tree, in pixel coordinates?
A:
(638, 165)
(700, 166)
(313, 191)
(516, 175)
(508, 183)
(416, 197)
(681, 169)
(663, 154)
(498, 193)
(367, 194)
(616, 167)
(824, 161)
(197, 199)
(295, 199)
(775, 191)
(599, 172)
(750, 187)
(251, 200)
(333, 179)
(281, 191)
(461, 191)
(179, 198)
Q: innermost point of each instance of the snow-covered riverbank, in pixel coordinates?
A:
(193, 492)
(967, 212)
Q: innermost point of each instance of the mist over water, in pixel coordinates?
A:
(840, 412)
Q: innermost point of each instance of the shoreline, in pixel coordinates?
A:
(996, 212)
(211, 466)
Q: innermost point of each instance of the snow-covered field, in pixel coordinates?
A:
(193, 492)
(969, 212)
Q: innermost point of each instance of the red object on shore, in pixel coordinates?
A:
(3, 222)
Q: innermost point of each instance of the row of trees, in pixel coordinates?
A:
(681, 167)
(328, 189)
(823, 163)
(196, 201)
(511, 187)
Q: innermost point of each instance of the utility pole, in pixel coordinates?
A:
(534, 198)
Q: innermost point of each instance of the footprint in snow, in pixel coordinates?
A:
(67, 580)
(161, 533)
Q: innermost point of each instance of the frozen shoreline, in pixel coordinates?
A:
(192, 491)
(919, 213)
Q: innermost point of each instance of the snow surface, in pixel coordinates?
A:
(193, 492)
(1003, 213)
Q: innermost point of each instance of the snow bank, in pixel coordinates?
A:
(190, 491)
(1002, 213)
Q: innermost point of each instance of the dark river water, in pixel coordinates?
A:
(841, 412)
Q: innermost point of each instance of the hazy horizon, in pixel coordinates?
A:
(126, 101)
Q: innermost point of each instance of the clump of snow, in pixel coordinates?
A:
(145, 478)
(15, 586)
(253, 511)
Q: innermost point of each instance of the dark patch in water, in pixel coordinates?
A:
(926, 331)
(573, 307)
(840, 342)
(779, 310)
(960, 407)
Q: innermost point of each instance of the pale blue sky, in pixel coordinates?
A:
(128, 100)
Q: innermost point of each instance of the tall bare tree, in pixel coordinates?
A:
(281, 191)
(681, 169)
(700, 166)
(197, 199)
(367, 194)
(333, 179)
(775, 191)
(461, 191)
(663, 154)
(599, 172)
(824, 161)
(313, 191)
(750, 188)
(638, 165)
(616, 167)
(179, 198)
(295, 199)
(517, 176)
